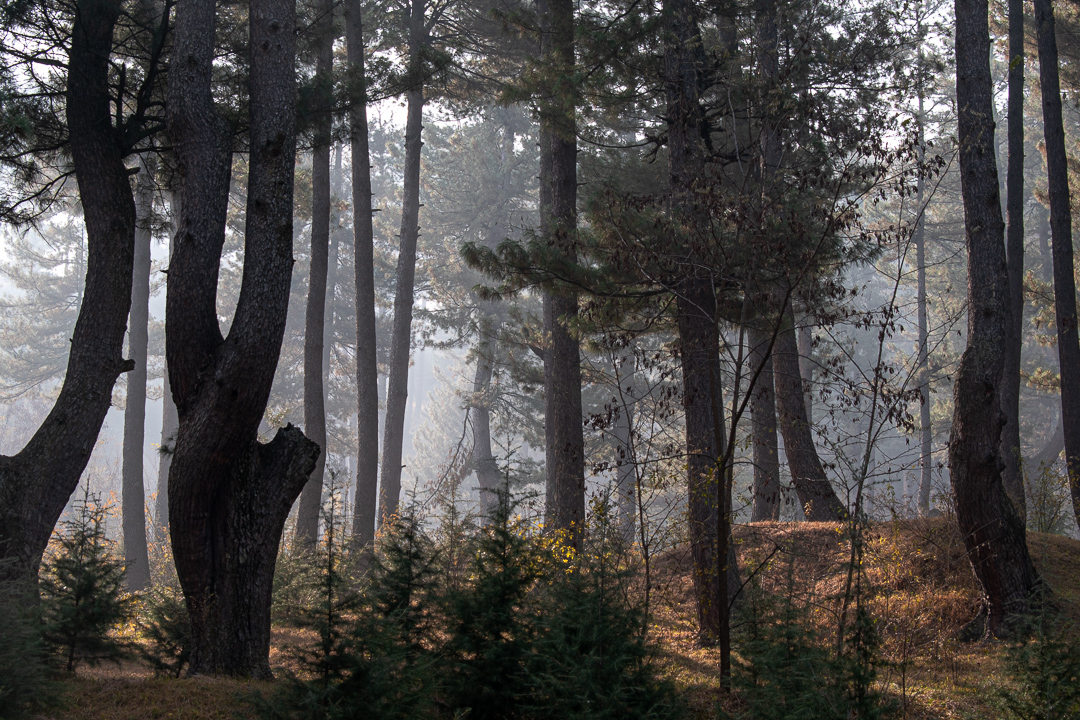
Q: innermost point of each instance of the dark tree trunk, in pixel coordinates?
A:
(563, 429)
(136, 555)
(307, 516)
(367, 364)
(815, 493)
(767, 489)
(1012, 476)
(229, 493)
(35, 483)
(1057, 176)
(488, 476)
(992, 530)
(169, 421)
(397, 393)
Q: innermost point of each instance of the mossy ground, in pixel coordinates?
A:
(919, 588)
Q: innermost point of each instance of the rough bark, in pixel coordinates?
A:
(229, 493)
(136, 555)
(307, 515)
(169, 421)
(367, 366)
(483, 461)
(36, 482)
(1012, 475)
(815, 493)
(401, 336)
(992, 530)
(563, 429)
(1057, 176)
(767, 490)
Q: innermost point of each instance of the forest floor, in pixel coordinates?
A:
(917, 585)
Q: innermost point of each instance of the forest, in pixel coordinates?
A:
(487, 359)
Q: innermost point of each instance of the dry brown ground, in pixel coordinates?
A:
(919, 588)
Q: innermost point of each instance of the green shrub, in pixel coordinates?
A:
(82, 590)
(1045, 671)
(26, 682)
(165, 626)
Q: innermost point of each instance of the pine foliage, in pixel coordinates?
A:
(82, 590)
(1045, 670)
(25, 669)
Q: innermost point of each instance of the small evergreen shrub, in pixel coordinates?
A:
(1045, 670)
(82, 590)
(26, 682)
(165, 626)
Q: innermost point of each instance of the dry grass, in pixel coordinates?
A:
(920, 589)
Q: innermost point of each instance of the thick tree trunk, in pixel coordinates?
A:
(307, 515)
(169, 421)
(563, 429)
(483, 461)
(767, 489)
(1012, 476)
(35, 483)
(229, 493)
(992, 530)
(136, 555)
(815, 493)
(367, 364)
(401, 338)
(1057, 173)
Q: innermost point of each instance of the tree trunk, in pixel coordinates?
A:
(36, 482)
(229, 493)
(805, 341)
(1012, 476)
(367, 364)
(307, 516)
(767, 489)
(992, 530)
(488, 476)
(401, 338)
(169, 421)
(926, 431)
(563, 430)
(625, 474)
(1061, 233)
(815, 493)
(136, 555)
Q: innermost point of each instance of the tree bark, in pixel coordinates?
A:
(367, 364)
(229, 493)
(815, 493)
(488, 476)
(307, 515)
(169, 421)
(1012, 476)
(767, 489)
(805, 341)
(992, 530)
(926, 430)
(625, 474)
(1057, 173)
(36, 482)
(136, 555)
(401, 337)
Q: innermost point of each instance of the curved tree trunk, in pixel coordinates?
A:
(1061, 234)
(563, 431)
(307, 515)
(1013, 476)
(397, 393)
(229, 493)
(36, 482)
(992, 530)
(367, 364)
(136, 555)
(767, 489)
(815, 493)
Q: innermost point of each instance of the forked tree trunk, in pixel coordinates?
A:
(1012, 476)
(1057, 172)
(229, 493)
(36, 482)
(136, 555)
(397, 394)
(815, 492)
(563, 430)
(307, 515)
(367, 364)
(767, 489)
(992, 530)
